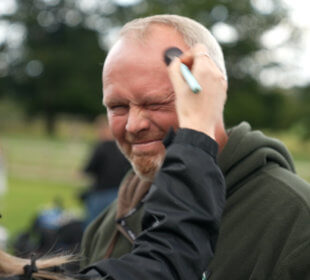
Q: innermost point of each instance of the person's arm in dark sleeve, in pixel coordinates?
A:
(182, 216)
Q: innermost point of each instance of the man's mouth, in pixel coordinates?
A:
(146, 147)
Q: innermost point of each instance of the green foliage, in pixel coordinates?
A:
(273, 109)
(61, 66)
(305, 109)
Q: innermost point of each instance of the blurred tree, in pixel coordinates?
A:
(59, 70)
(304, 108)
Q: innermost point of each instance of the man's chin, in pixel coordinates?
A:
(146, 167)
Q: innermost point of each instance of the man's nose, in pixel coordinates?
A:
(137, 120)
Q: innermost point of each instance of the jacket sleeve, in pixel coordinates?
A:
(182, 215)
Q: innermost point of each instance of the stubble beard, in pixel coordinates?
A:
(145, 166)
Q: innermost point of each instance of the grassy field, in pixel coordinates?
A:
(28, 196)
(41, 169)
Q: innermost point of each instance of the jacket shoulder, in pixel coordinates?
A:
(290, 185)
(271, 211)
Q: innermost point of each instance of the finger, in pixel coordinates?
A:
(187, 58)
(201, 55)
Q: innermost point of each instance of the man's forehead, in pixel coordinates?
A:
(158, 38)
(133, 60)
(122, 55)
(127, 49)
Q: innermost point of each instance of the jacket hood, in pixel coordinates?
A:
(247, 151)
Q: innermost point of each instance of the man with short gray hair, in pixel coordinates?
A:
(265, 232)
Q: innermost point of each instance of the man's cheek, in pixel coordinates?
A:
(117, 127)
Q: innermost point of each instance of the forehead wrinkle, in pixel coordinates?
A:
(158, 94)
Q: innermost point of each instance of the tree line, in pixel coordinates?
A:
(56, 68)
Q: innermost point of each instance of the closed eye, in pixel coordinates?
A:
(155, 106)
(118, 109)
(161, 105)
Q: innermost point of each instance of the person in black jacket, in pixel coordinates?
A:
(182, 213)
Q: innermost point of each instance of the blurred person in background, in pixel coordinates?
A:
(265, 230)
(106, 167)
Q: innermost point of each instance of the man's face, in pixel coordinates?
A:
(139, 97)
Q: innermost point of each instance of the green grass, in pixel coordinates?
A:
(34, 157)
(39, 170)
(27, 196)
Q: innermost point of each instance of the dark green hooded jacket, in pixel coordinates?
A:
(265, 228)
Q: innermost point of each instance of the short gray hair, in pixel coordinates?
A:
(192, 32)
